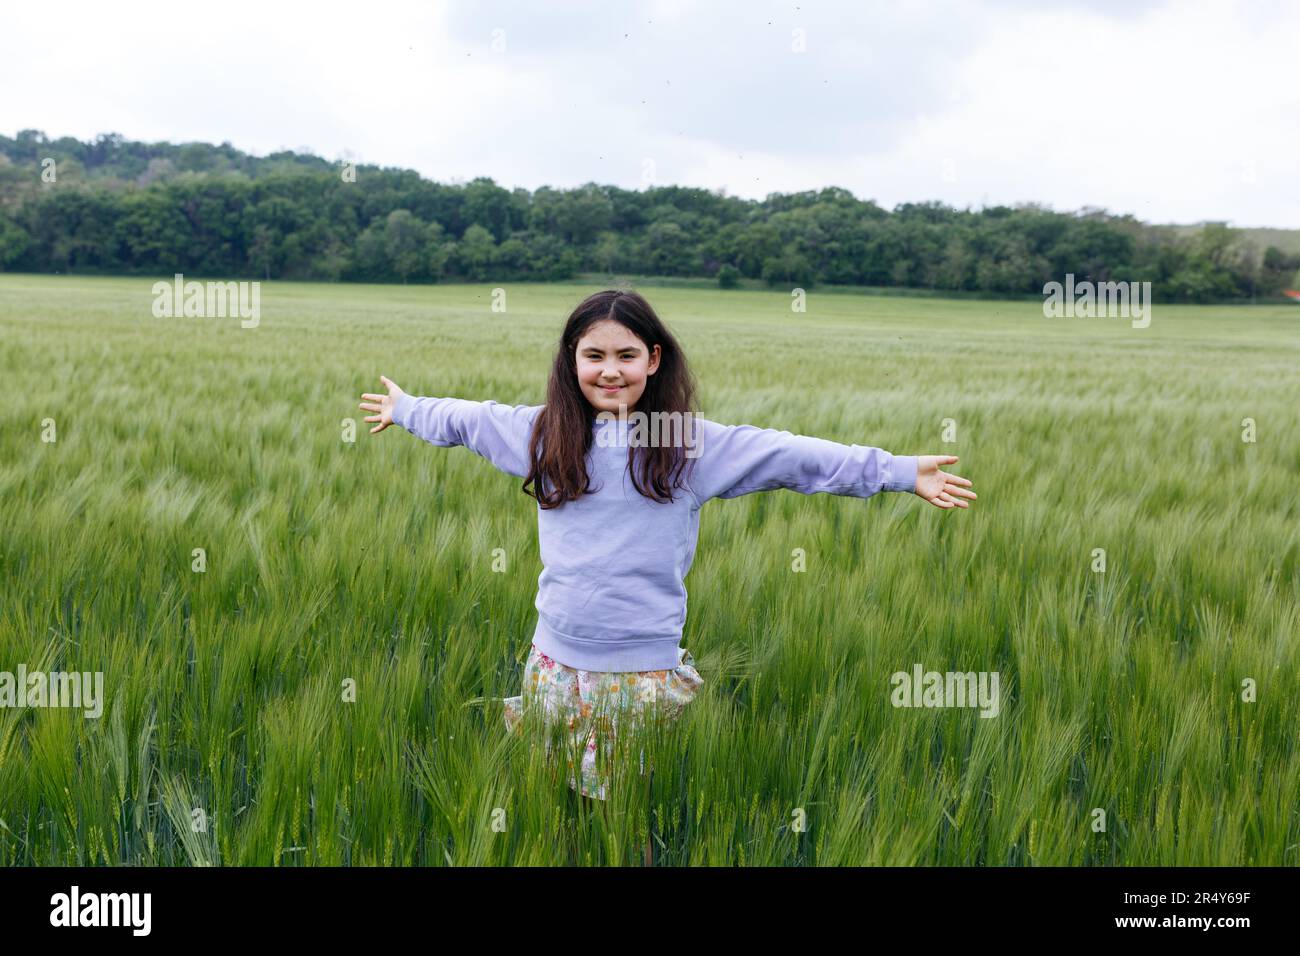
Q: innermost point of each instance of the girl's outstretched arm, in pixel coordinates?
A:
(497, 432)
(740, 459)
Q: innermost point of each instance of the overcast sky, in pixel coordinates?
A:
(1175, 112)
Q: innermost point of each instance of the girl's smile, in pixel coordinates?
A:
(613, 365)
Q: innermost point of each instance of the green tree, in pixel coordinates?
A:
(13, 243)
(608, 252)
(404, 238)
(475, 253)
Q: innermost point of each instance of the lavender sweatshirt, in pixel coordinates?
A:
(611, 595)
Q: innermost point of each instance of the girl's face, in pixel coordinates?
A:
(609, 354)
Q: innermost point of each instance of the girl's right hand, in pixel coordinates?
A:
(383, 404)
(937, 486)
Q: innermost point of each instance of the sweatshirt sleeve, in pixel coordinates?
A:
(497, 432)
(735, 460)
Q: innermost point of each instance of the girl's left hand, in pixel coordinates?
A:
(938, 487)
(382, 405)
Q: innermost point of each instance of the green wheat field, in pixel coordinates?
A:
(1149, 711)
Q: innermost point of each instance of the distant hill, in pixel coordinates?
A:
(117, 206)
(112, 157)
(1257, 239)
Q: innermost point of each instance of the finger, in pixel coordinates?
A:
(954, 490)
(378, 428)
(945, 459)
(371, 407)
(947, 497)
(939, 503)
(373, 418)
(387, 382)
(956, 479)
(371, 397)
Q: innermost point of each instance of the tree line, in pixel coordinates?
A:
(115, 206)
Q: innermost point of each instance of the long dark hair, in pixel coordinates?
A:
(562, 434)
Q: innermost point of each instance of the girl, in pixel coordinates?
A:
(619, 502)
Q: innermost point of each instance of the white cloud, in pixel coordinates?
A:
(1174, 112)
(1185, 113)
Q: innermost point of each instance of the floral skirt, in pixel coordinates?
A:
(590, 703)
